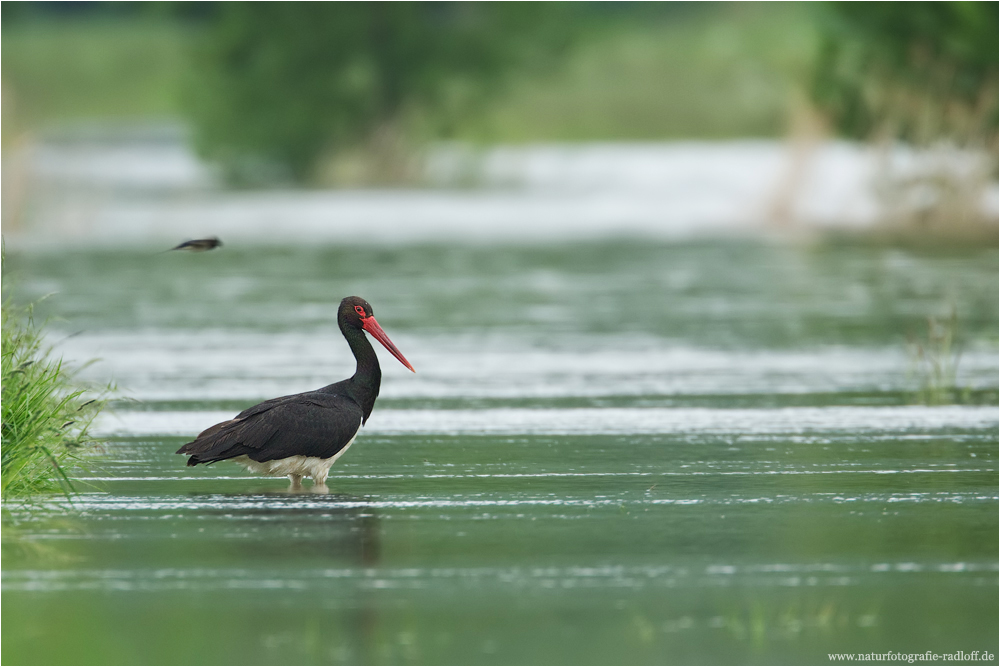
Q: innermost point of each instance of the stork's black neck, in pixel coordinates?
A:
(363, 386)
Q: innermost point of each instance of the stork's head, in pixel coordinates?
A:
(356, 313)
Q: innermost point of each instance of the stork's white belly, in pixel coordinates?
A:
(303, 466)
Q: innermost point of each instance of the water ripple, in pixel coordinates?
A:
(103, 503)
(608, 421)
(516, 578)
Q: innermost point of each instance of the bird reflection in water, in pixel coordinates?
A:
(303, 435)
(330, 542)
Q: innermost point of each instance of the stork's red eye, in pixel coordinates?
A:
(359, 310)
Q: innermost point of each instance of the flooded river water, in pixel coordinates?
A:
(611, 452)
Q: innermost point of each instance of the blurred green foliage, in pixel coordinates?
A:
(279, 84)
(636, 71)
(107, 69)
(711, 71)
(289, 89)
(918, 71)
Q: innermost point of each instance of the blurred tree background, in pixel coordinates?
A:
(303, 91)
(918, 71)
(290, 82)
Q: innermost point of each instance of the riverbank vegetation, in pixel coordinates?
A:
(924, 74)
(606, 72)
(347, 94)
(46, 415)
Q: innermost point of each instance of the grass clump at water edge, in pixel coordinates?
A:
(45, 415)
(934, 362)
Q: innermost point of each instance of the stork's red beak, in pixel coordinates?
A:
(371, 326)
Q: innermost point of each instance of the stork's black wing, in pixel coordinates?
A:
(309, 424)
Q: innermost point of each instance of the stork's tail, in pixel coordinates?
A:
(216, 443)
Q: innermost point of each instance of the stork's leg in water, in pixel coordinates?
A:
(296, 481)
(319, 479)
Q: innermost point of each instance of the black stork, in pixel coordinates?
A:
(302, 435)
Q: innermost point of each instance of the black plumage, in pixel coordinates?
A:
(317, 425)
